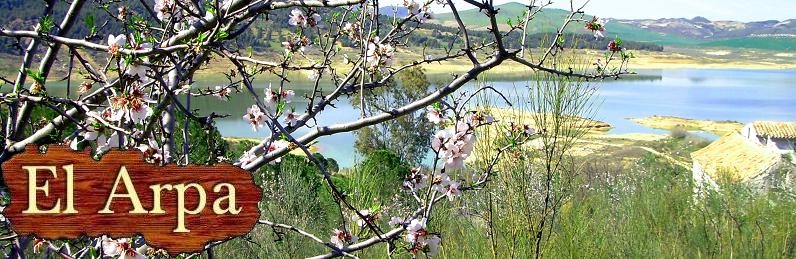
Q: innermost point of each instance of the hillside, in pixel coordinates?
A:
(550, 19)
(681, 32)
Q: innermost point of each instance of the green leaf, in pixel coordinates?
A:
(90, 23)
(221, 35)
(46, 24)
(36, 75)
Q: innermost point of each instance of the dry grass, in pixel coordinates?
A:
(720, 128)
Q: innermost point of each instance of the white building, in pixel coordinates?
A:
(752, 155)
(780, 136)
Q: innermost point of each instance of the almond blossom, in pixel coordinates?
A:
(291, 117)
(420, 239)
(415, 180)
(84, 87)
(379, 54)
(454, 147)
(396, 221)
(369, 217)
(151, 151)
(246, 159)
(272, 97)
(299, 19)
(434, 115)
(296, 44)
(221, 92)
(615, 45)
(275, 146)
(342, 237)
(255, 117)
(115, 43)
(121, 248)
(352, 30)
(115, 140)
(164, 9)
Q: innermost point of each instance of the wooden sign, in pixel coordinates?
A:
(65, 193)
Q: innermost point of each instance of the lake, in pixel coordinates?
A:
(739, 95)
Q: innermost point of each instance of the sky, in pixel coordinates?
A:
(737, 10)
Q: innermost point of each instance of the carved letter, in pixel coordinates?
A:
(131, 194)
(156, 190)
(32, 188)
(230, 198)
(181, 210)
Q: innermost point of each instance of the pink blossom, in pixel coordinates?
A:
(290, 118)
(276, 146)
(434, 115)
(298, 18)
(255, 117)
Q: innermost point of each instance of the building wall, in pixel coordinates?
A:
(782, 145)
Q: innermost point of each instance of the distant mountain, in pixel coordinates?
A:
(698, 31)
(700, 28)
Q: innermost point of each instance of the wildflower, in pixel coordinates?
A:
(434, 115)
(115, 43)
(255, 117)
(597, 26)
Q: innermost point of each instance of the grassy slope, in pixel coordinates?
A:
(780, 44)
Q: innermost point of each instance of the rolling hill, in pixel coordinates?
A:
(696, 32)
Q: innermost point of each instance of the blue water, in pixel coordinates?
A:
(739, 95)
